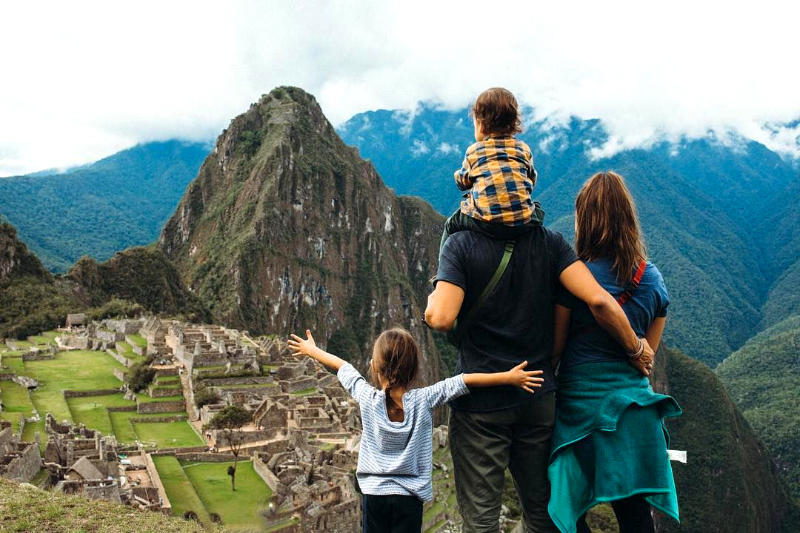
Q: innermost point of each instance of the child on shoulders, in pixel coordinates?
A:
(395, 460)
(497, 173)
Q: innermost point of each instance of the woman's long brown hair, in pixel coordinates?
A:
(395, 358)
(607, 224)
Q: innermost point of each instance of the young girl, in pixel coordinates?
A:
(396, 455)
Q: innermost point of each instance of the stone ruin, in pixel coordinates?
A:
(19, 461)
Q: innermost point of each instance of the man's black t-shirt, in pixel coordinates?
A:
(515, 323)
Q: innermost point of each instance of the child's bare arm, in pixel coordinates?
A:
(309, 347)
(518, 377)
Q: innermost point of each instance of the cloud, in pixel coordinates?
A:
(448, 148)
(91, 78)
(419, 148)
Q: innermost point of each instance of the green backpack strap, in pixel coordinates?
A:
(453, 336)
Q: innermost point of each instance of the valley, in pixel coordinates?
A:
(285, 227)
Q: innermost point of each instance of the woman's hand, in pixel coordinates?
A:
(302, 346)
(527, 380)
(644, 363)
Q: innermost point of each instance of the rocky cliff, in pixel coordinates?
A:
(286, 228)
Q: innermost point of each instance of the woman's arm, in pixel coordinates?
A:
(560, 329)
(655, 331)
(309, 347)
(516, 376)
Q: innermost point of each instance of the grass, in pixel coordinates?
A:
(144, 398)
(123, 427)
(75, 370)
(138, 340)
(127, 351)
(16, 402)
(14, 363)
(28, 509)
(238, 509)
(93, 411)
(180, 490)
(167, 434)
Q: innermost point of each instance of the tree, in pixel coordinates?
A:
(230, 422)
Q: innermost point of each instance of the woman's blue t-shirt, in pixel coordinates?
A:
(587, 342)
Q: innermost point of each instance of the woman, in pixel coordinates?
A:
(609, 442)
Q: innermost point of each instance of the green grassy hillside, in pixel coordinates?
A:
(763, 378)
(101, 208)
(730, 482)
(27, 509)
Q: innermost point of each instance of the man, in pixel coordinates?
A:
(496, 428)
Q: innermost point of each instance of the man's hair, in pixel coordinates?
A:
(395, 358)
(496, 110)
(607, 225)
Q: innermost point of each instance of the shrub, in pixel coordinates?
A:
(140, 376)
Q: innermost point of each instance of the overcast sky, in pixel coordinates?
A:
(81, 80)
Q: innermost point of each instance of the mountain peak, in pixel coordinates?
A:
(287, 228)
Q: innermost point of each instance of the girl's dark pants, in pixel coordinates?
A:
(633, 516)
(391, 514)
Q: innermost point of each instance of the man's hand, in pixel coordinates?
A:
(527, 380)
(644, 363)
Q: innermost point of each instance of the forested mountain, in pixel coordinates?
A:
(763, 378)
(101, 208)
(286, 228)
(714, 210)
(33, 300)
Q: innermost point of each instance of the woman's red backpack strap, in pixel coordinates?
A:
(633, 284)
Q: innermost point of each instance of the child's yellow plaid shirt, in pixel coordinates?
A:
(498, 175)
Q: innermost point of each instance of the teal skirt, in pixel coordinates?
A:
(609, 442)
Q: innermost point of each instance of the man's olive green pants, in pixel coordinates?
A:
(483, 445)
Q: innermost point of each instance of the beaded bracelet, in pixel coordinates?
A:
(639, 351)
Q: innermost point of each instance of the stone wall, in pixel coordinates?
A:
(121, 359)
(88, 393)
(166, 506)
(75, 342)
(175, 418)
(37, 356)
(207, 457)
(119, 374)
(26, 465)
(160, 407)
(266, 474)
(162, 392)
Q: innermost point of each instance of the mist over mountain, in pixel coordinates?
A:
(100, 208)
(709, 207)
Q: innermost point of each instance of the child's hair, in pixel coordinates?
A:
(607, 225)
(395, 358)
(496, 110)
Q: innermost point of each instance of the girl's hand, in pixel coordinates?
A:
(300, 346)
(525, 379)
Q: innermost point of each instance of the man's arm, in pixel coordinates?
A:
(444, 304)
(577, 279)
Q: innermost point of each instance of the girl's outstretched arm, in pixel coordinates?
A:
(309, 347)
(518, 377)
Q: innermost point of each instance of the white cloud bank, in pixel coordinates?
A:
(81, 80)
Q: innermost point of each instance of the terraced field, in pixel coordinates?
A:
(204, 487)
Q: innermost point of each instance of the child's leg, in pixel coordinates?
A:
(376, 514)
(456, 222)
(406, 514)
